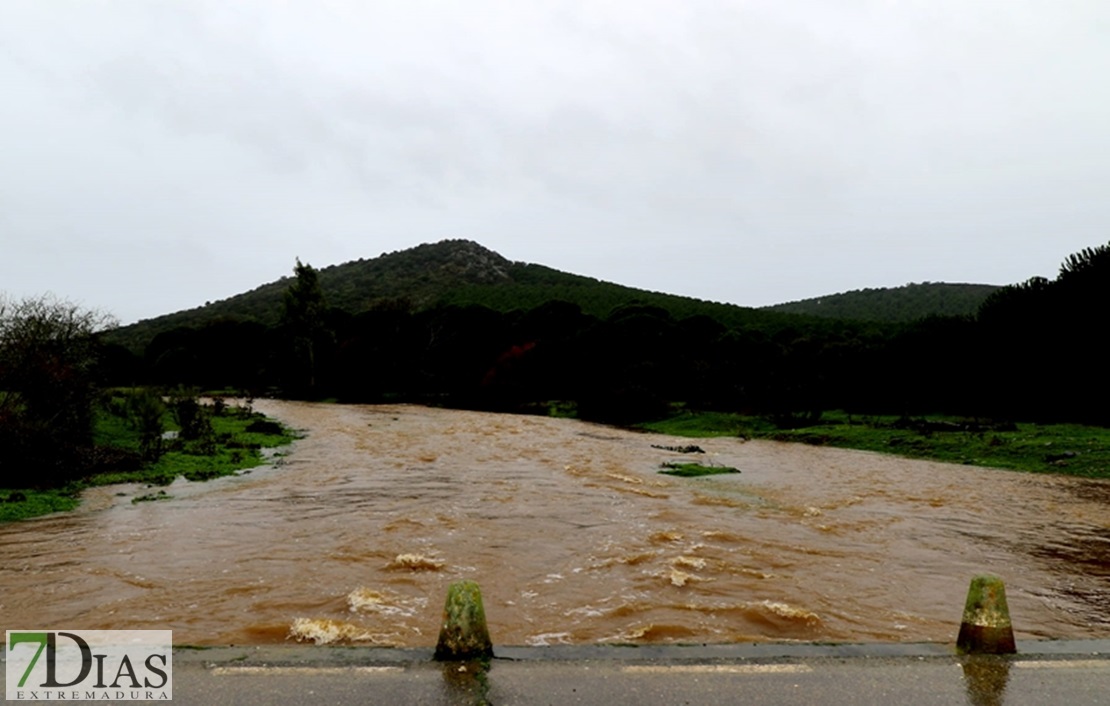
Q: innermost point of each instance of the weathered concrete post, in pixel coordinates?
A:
(463, 634)
(986, 626)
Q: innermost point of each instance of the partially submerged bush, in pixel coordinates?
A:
(693, 470)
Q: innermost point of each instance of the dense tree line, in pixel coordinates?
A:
(1031, 353)
(1044, 338)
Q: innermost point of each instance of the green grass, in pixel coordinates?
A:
(708, 424)
(111, 430)
(562, 409)
(1066, 449)
(693, 470)
(22, 504)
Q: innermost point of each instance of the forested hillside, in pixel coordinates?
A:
(418, 276)
(895, 304)
(450, 272)
(1032, 352)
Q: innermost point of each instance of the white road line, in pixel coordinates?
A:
(718, 669)
(301, 671)
(1064, 664)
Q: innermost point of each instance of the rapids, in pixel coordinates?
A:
(573, 535)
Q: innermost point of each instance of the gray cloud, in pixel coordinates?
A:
(158, 155)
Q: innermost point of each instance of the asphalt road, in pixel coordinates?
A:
(1071, 672)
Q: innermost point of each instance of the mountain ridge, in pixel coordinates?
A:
(455, 272)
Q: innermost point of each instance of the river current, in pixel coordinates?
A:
(573, 535)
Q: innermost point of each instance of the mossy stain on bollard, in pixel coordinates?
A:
(463, 634)
(986, 626)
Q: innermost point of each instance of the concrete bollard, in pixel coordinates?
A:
(986, 627)
(463, 634)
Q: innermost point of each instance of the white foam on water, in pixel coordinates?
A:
(690, 562)
(785, 610)
(416, 562)
(549, 638)
(325, 632)
(366, 600)
(681, 578)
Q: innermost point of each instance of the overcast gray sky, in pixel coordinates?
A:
(155, 154)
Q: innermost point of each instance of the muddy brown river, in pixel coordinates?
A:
(573, 535)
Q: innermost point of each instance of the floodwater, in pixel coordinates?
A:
(573, 535)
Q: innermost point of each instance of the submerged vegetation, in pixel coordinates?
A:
(195, 441)
(694, 470)
(201, 441)
(1070, 449)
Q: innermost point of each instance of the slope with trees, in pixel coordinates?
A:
(450, 272)
(500, 344)
(895, 304)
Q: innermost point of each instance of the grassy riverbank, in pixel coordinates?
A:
(238, 436)
(1068, 449)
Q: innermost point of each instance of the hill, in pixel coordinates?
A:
(895, 304)
(454, 323)
(450, 272)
